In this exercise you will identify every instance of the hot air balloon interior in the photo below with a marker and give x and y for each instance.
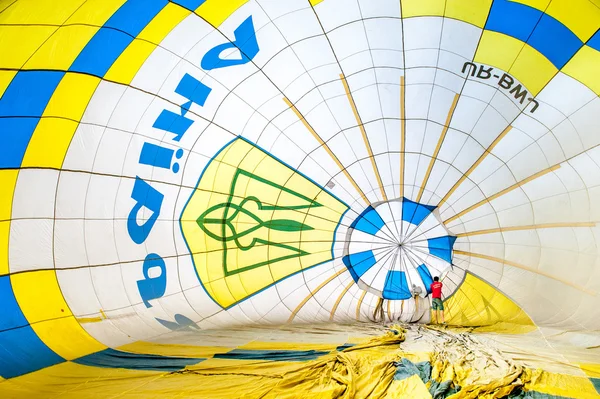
(253, 198)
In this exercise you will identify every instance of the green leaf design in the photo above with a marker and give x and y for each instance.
(286, 225)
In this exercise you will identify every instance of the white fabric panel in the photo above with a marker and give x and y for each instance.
(78, 290)
(103, 103)
(154, 71)
(186, 34)
(34, 194)
(69, 244)
(26, 234)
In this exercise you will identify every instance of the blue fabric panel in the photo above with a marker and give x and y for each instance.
(11, 315)
(442, 247)
(345, 346)
(271, 355)
(445, 242)
(189, 4)
(555, 41)
(368, 221)
(117, 33)
(445, 254)
(15, 134)
(112, 358)
(513, 19)
(29, 93)
(425, 277)
(133, 16)
(27, 97)
(406, 369)
(596, 383)
(359, 263)
(21, 352)
(396, 286)
(594, 42)
(415, 213)
(443, 389)
(101, 52)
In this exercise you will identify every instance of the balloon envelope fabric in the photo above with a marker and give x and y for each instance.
(174, 167)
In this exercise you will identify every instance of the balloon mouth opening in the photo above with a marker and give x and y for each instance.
(397, 244)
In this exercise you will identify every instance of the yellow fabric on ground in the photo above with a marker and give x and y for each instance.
(477, 304)
(483, 371)
(366, 370)
(592, 370)
(559, 384)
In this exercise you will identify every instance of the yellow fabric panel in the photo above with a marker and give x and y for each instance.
(160, 26)
(217, 11)
(416, 8)
(4, 5)
(299, 346)
(39, 296)
(4, 242)
(8, 180)
(483, 372)
(61, 49)
(365, 370)
(53, 134)
(498, 50)
(411, 387)
(221, 292)
(42, 303)
(236, 364)
(533, 69)
(580, 16)
(39, 12)
(253, 281)
(95, 12)
(472, 11)
(30, 38)
(222, 280)
(174, 349)
(563, 385)
(49, 143)
(477, 303)
(5, 78)
(314, 2)
(82, 382)
(72, 96)
(67, 338)
(522, 61)
(584, 67)
(130, 61)
(537, 4)
(591, 369)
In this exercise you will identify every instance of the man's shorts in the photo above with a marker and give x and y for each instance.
(437, 304)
